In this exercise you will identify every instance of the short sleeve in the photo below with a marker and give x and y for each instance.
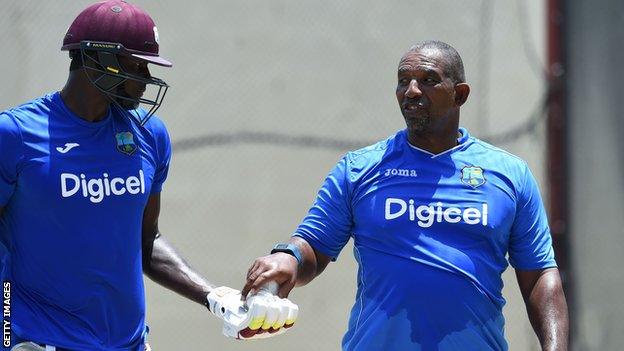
(530, 246)
(328, 224)
(164, 156)
(10, 156)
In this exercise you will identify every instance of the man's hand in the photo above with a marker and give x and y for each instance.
(279, 267)
(263, 315)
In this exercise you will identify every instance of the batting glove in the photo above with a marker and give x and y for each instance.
(264, 315)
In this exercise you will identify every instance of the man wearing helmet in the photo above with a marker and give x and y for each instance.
(81, 172)
(113, 43)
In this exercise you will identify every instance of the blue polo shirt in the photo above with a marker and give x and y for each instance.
(73, 194)
(432, 236)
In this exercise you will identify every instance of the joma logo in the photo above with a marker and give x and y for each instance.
(400, 172)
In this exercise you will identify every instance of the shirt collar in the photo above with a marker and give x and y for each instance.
(461, 141)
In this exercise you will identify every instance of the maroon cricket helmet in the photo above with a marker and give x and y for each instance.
(116, 21)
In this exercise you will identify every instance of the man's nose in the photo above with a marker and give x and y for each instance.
(412, 89)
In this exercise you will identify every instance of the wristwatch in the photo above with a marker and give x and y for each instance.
(289, 249)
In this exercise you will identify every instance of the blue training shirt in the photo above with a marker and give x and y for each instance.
(431, 235)
(73, 194)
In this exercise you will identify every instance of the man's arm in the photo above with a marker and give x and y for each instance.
(283, 268)
(162, 264)
(329, 218)
(546, 305)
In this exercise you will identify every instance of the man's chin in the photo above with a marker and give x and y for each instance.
(128, 105)
(417, 125)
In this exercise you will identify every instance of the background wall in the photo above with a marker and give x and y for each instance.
(266, 97)
(595, 73)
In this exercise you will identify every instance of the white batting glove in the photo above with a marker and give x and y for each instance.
(264, 315)
(280, 314)
(27, 346)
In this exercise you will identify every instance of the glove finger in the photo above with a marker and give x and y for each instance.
(273, 312)
(283, 315)
(293, 313)
(257, 312)
(255, 318)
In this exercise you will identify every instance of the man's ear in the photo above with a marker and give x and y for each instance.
(462, 90)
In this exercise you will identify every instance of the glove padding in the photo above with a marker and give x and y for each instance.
(27, 346)
(264, 315)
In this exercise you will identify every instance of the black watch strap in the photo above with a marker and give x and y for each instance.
(289, 249)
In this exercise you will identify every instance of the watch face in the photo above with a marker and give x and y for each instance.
(281, 246)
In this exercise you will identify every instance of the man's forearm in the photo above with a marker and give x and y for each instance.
(312, 263)
(548, 312)
(167, 268)
(283, 268)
